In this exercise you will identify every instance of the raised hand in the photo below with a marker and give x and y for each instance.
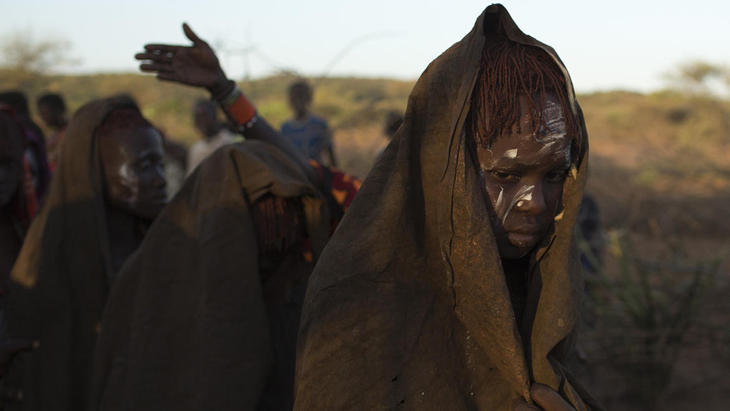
(195, 65)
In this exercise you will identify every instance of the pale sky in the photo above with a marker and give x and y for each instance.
(605, 44)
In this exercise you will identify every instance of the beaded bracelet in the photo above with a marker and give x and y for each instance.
(240, 109)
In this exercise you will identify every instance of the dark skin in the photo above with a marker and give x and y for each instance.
(134, 171)
(299, 101)
(52, 117)
(523, 176)
(197, 65)
(135, 187)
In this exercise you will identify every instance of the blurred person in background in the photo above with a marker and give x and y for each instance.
(35, 148)
(176, 164)
(393, 121)
(176, 155)
(18, 202)
(107, 189)
(217, 287)
(215, 135)
(309, 134)
(52, 109)
(18, 206)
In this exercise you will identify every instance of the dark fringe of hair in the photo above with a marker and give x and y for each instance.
(280, 225)
(127, 118)
(510, 69)
(301, 86)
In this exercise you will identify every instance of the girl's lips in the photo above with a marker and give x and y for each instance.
(523, 240)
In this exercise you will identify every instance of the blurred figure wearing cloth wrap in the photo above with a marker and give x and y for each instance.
(52, 109)
(107, 189)
(205, 316)
(461, 289)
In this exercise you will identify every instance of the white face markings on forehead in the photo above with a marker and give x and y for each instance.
(552, 111)
(556, 127)
(511, 153)
(546, 146)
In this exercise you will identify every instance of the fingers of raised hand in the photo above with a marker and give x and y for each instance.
(548, 399)
(162, 48)
(156, 68)
(156, 57)
(190, 34)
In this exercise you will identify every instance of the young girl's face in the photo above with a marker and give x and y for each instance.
(134, 174)
(523, 174)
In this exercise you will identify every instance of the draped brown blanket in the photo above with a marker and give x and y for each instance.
(193, 322)
(408, 307)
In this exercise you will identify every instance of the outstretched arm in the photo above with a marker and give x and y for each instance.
(198, 66)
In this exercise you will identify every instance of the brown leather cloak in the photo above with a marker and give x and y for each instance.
(192, 323)
(61, 278)
(408, 307)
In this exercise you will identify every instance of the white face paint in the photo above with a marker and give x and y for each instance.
(556, 126)
(524, 171)
(130, 181)
(499, 198)
(522, 195)
(526, 197)
(547, 146)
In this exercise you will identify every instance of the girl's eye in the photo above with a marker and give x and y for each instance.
(505, 176)
(144, 165)
(557, 176)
